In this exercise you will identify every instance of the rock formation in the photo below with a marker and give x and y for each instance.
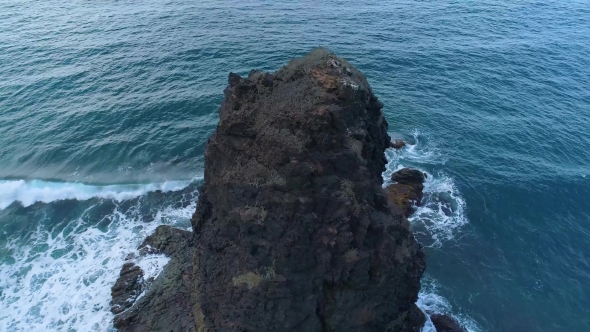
(407, 192)
(444, 323)
(293, 231)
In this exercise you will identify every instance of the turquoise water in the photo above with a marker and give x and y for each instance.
(105, 107)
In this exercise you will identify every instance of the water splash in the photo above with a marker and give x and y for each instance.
(442, 212)
(61, 279)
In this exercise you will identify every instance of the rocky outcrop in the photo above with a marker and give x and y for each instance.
(167, 306)
(407, 192)
(128, 287)
(444, 323)
(293, 231)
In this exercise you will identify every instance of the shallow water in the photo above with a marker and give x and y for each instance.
(102, 103)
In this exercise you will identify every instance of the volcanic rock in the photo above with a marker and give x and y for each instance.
(292, 231)
(408, 176)
(444, 323)
(127, 288)
(397, 144)
(167, 305)
(407, 192)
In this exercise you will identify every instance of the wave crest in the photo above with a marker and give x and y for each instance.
(30, 192)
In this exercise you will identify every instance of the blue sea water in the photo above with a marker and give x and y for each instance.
(105, 108)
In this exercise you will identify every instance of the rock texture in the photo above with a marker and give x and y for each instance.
(293, 231)
(444, 323)
(167, 306)
(407, 192)
(397, 144)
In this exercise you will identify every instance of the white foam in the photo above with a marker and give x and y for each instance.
(30, 192)
(430, 302)
(422, 151)
(442, 212)
(41, 291)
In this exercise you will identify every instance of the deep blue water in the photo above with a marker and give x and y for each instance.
(104, 102)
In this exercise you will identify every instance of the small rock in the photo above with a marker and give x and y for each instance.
(234, 79)
(415, 320)
(408, 176)
(127, 288)
(444, 323)
(407, 191)
(397, 144)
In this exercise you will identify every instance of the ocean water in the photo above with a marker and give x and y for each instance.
(105, 108)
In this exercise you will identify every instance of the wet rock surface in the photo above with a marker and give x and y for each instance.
(407, 192)
(397, 144)
(167, 305)
(127, 288)
(444, 323)
(409, 176)
(293, 230)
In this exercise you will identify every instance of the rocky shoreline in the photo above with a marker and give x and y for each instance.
(293, 230)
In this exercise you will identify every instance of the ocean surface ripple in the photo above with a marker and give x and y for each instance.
(106, 106)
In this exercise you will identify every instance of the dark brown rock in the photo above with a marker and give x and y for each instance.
(408, 176)
(397, 144)
(444, 323)
(167, 304)
(407, 192)
(292, 228)
(415, 321)
(127, 288)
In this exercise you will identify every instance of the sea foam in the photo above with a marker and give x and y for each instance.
(442, 211)
(61, 280)
(430, 301)
(30, 192)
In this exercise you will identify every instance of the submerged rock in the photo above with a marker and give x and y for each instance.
(444, 323)
(407, 192)
(293, 231)
(397, 144)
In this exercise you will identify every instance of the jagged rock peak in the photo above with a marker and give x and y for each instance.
(293, 231)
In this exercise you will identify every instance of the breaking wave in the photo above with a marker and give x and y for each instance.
(30, 192)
